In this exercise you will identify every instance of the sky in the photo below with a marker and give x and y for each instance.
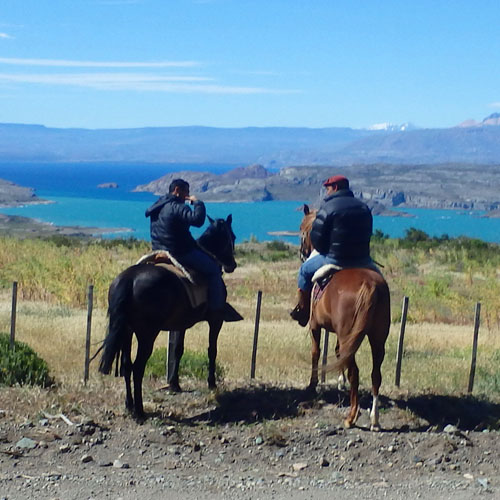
(237, 63)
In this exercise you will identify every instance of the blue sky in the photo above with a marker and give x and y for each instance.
(237, 63)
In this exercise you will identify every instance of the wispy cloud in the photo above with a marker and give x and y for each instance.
(494, 104)
(61, 63)
(135, 82)
(5, 35)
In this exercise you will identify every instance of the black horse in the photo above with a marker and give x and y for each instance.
(145, 299)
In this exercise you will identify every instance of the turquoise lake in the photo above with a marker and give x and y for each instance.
(78, 202)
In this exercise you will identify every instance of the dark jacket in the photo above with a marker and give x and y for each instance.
(343, 228)
(170, 221)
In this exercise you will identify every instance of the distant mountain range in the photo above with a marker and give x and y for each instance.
(470, 142)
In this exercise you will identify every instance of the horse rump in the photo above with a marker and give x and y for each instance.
(364, 307)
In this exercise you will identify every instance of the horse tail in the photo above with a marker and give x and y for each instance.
(363, 313)
(119, 298)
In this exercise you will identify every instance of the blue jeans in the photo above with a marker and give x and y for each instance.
(309, 267)
(312, 264)
(199, 261)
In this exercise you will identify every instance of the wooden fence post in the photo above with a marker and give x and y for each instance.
(325, 356)
(13, 315)
(256, 334)
(399, 355)
(474, 347)
(90, 303)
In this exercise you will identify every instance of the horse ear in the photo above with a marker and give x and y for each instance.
(229, 219)
(210, 219)
(306, 209)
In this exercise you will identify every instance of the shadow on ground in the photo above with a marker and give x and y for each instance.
(263, 402)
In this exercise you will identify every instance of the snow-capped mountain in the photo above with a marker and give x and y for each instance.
(391, 127)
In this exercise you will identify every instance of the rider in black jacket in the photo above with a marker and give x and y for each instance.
(171, 219)
(340, 233)
(170, 222)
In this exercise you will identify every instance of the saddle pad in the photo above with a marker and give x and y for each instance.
(193, 282)
(321, 278)
(197, 292)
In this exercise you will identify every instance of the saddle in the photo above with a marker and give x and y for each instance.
(194, 284)
(321, 278)
(324, 274)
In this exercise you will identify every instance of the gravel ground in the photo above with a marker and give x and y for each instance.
(252, 442)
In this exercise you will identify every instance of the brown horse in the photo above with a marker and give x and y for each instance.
(354, 304)
(145, 299)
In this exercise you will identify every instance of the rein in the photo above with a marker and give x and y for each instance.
(210, 254)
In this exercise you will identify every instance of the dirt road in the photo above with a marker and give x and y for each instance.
(255, 442)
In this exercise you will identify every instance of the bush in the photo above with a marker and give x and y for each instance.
(21, 365)
(193, 365)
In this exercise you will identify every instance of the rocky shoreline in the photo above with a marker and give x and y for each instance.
(16, 225)
(383, 187)
(468, 187)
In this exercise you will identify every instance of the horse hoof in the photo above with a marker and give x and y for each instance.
(375, 428)
(139, 416)
(212, 387)
(348, 424)
(174, 388)
(311, 390)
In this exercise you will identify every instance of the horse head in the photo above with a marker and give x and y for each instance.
(305, 233)
(218, 240)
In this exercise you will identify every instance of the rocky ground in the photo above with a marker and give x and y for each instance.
(257, 441)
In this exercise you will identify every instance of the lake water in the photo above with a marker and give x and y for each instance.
(78, 202)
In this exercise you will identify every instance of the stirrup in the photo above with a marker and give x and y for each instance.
(299, 315)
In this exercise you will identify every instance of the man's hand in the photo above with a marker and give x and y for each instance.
(191, 198)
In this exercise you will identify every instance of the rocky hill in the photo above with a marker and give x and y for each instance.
(12, 195)
(382, 185)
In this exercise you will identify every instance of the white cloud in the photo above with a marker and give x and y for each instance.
(135, 82)
(5, 35)
(96, 64)
(495, 105)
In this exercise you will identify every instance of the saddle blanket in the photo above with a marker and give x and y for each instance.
(321, 278)
(193, 282)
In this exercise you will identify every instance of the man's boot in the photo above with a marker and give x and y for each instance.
(302, 310)
(228, 314)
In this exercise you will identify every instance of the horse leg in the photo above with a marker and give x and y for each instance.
(378, 353)
(126, 371)
(145, 344)
(213, 335)
(175, 352)
(341, 381)
(353, 376)
(315, 353)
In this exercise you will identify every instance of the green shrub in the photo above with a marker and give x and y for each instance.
(277, 246)
(21, 365)
(193, 365)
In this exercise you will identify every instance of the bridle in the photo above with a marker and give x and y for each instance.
(229, 241)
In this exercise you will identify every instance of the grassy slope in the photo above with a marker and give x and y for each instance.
(443, 279)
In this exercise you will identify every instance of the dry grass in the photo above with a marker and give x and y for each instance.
(437, 356)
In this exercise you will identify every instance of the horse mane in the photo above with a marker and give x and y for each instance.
(306, 246)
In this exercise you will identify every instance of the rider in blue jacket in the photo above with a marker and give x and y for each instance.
(341, 234)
